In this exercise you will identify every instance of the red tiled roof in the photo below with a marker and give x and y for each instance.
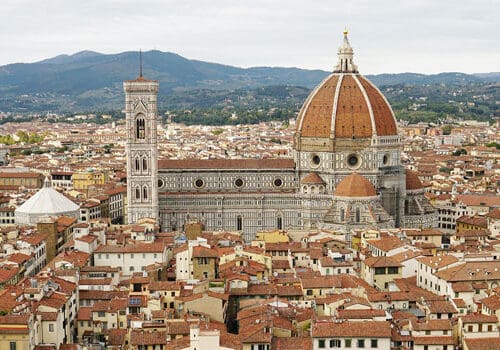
(355, 185)
(268, 163)
(373, 329)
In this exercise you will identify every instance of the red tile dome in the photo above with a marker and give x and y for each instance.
(355, 185)
(412, 181)
(345, 105)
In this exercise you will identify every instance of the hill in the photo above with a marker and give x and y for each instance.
(90, 81)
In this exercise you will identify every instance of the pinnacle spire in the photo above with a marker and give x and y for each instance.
(345, 63)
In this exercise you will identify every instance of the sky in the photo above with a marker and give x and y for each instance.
(390, 36)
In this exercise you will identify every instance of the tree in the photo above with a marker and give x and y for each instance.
(446, 129)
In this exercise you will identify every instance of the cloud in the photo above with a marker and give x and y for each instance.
(388, 36)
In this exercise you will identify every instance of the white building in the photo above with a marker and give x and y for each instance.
(131, 257)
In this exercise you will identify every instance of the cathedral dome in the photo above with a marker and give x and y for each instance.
(412, 181)
(345, 105)
(355, 185)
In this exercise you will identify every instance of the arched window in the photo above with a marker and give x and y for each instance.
(342, 214)
(239, 223)
(358, 215)
(137, 164)
(145, 193)
(140, 128)
(145, 164)
(279, 223)
(137, 193)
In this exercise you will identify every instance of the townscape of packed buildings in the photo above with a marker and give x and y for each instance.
(75, 275)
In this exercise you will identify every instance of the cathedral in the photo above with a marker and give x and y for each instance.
(346, 171)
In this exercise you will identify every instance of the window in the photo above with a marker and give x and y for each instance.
(137, 193)
(144, 164)
(279, 223)
(374, 343)
(392, 270)
(131, 268)
(309, 292)
(380, 270)
(13, 345)
(145, 192)
(361, 343)
(335, 343)
(140, 130)
(321, 343)
(239, 223)
(101, 314)
(348, 343)
(342, 214)
(427, 332)
(469, 328)
(51, 327)
(137, 164)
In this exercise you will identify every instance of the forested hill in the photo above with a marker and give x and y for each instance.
(92, 82)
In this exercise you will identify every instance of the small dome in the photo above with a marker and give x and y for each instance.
(46, 202)
(312, 178)
(355, 185)
(412, 181)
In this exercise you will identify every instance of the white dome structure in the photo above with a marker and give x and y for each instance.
(46, 202)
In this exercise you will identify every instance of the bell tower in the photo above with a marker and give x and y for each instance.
(141, 148)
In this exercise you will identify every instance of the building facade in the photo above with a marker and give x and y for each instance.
(345, 126)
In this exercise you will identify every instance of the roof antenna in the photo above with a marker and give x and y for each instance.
(140, 63)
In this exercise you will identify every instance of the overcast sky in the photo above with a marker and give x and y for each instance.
(389, 36)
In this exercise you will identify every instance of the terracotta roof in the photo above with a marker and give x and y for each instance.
(437, 262)
(20, 175)
(492, 302)
(292, 343)
(471, 271)
(141, 337)
(355, 100)
(355, 185)
(381, 261)
(204, 252)
(372, 329)
(431, 325)
(412, 181)
(483, 343)
(434, 340)
(267, 163)
(132, 248)
(479, 221)
(312, 178)
(478, 318)
(386, 243)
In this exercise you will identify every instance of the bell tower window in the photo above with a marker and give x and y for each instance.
(137, 193)
(140, 128)
(137, 164)
(145, 164)
(145, 193)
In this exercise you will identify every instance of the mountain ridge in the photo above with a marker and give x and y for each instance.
(88, 79)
